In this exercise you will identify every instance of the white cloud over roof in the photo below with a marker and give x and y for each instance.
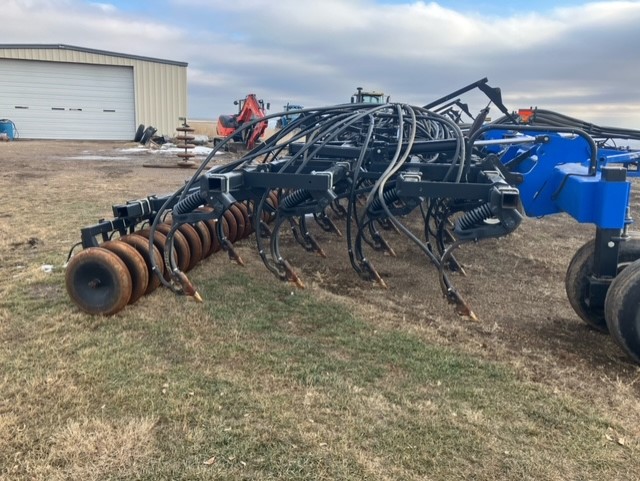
(580, 59)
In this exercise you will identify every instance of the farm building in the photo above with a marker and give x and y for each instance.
(67, 92)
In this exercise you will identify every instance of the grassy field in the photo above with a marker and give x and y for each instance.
(273, 385)
(264, 382)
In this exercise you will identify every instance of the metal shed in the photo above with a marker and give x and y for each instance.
(67, 92)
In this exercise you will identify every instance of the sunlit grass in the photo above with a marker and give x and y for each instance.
(271, 384)
(261, 381)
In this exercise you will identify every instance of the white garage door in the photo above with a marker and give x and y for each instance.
(55, 100)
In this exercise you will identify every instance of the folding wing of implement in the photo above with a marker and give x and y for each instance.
(361, 169)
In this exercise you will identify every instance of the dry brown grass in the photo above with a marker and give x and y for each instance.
(341, 381)
(91, 449)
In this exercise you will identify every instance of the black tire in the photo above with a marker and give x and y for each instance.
(622, 310)
(578, 272)
(98, 282)
(148, 133)
(139, 132)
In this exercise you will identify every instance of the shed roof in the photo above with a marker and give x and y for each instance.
(61, 46)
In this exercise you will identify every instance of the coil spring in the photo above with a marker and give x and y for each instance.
(389, 196)
(188, 204)
(295, 198)
(475, 217)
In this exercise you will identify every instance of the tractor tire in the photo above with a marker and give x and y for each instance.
(622, 310)
(578, 272)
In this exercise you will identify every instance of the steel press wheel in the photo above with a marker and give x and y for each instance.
(578, 272)
(225, 227)
(240, 223)
(135, 264)
(142, 246)
(232, 225)
(196, 248)
(159, 241)
(273, 195)
(181, 246)
(98, 282)
(248, 226)
(622, 310)
(210, 224)
(215, 242)
(205, 238)
(271, 205)
(195, 244)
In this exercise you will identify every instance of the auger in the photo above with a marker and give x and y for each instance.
(362, 169)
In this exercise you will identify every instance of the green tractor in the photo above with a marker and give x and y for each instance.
(368, 97)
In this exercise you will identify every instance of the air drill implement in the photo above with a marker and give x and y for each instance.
(362, 169)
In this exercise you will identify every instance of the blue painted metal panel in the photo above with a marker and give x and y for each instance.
(557, 178)
(589, 199)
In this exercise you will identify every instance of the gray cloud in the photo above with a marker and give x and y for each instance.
(581, 60)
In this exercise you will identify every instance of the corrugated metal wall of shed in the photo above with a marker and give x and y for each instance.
(154, 82)
(160, 88)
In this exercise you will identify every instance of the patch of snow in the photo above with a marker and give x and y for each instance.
(172, 149)
(139, 149)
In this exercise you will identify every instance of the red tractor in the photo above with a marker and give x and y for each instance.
(249, 109)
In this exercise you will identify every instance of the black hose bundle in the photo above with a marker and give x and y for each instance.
(550, 118)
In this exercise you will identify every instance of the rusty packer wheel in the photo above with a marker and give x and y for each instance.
(240, 221)
(210, 224)
(273, 195)
(232, 224)
(269, 208)
(205, 238)
(213, 229)
(159, 241)
(195, 244)
(141, 244)
(135, 264)
(180, 245)
(248, 226)
(98, 282)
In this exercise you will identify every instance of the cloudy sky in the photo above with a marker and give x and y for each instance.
(581, 58)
